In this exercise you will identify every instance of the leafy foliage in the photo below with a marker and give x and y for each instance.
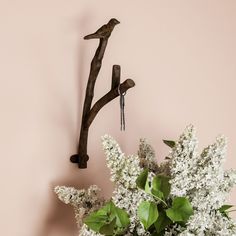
(155, 217)
(161, 222)
(142, 179)
(109, 220)
(147, 213)
(161, 183)
(180, 211)
(167, 211)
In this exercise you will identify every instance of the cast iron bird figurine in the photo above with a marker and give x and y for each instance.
(104, 31)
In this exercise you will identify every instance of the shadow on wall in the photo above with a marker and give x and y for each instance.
(59, 218)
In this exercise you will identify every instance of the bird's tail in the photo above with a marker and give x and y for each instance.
(91, 36)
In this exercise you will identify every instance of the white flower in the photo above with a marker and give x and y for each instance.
(203, 180)
(83, 201)
(183, 159)
(199, 177)
(213, 223)
(124, 170)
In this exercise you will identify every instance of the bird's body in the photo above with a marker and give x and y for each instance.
(104, 31)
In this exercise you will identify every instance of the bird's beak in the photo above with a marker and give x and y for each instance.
(117, 22)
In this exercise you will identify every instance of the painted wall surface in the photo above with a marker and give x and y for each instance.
(181, 54)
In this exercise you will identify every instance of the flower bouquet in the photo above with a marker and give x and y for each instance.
(185, 195)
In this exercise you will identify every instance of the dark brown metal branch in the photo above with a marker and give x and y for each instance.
(112, 94)
(89, 113)
(115, 76)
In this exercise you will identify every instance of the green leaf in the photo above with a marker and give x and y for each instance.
(107, 209)
(161, 183)
(180, 211)
(142, 179)
(169, 143)
(157, 193)
(162, 222)
(122, 218)
(99, 218)
(104, 218)
(95, 221)
(148, 187)
(225, 208)
(108, 229)
(147, 213)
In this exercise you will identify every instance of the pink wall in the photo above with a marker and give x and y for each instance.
(181, 55)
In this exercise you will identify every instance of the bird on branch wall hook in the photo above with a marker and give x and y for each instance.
(117, 89)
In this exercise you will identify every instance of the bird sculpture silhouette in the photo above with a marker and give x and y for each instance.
(104, 31)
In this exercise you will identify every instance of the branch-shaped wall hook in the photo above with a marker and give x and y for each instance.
(89, 113)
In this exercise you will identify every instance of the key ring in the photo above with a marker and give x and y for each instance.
(119, 92)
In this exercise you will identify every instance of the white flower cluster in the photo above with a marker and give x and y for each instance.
(124, 172)
(183, 162)
(204, 223)
(202, 179)
(83, 201)
(174, 230)
(199, 177)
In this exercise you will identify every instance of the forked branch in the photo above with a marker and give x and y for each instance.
(89, 113)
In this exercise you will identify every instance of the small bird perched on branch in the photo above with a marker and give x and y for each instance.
(104, 31)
